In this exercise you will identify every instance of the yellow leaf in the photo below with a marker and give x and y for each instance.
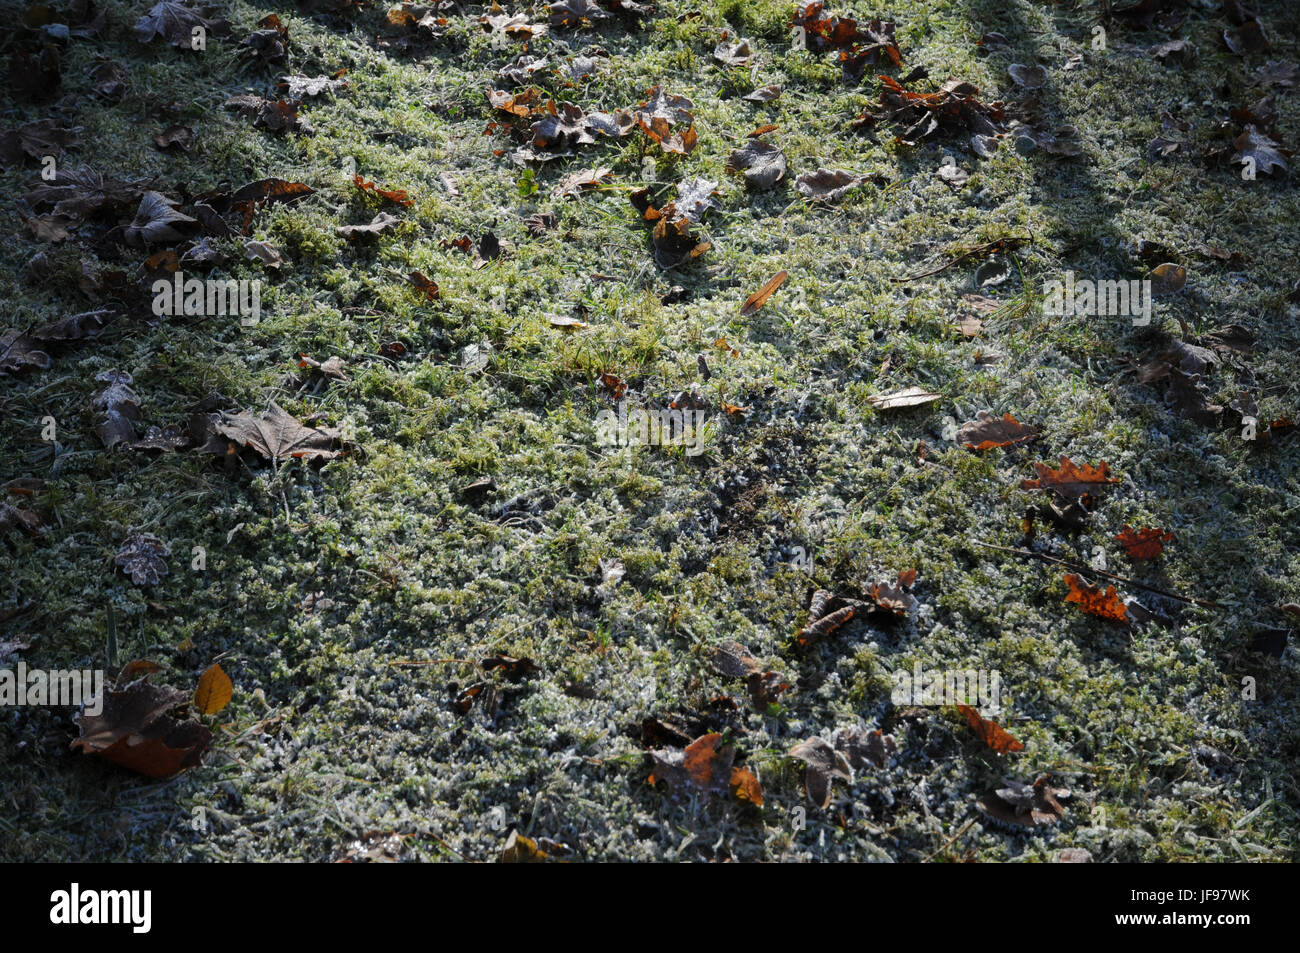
(214, 691)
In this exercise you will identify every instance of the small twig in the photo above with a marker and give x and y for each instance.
(951, 840)
(1002, 244)
(436, 661)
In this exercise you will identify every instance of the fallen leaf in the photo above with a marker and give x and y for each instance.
(764, 94)
(142, 557)
(822, 763)
(575, 183)
(759, 298)
(381, 223)
(120, 407)
(424, 286)
(762, 163)
(1030, 77)
(906, 397)
(1168, 278)
(214, 692)
(1070, 481)
(1094, 601)
(397, 196)
(277, 435)
(18, 352)
(826, 185)
(990, 732)
(136, 730)
(987, 432)
(703, 767)
(1254, 147)
(1143, 543)
(736, 52)
(861, 747)
(1024, 805)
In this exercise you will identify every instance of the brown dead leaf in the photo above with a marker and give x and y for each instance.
(1071, 481)
(277, 435)
(760, 297)
(822, 763)
(987, 432)
(214, 692)
(991, 733)
(136, 729)
(1143, 543)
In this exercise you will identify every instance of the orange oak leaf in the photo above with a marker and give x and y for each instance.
(1070, 481)
(1143, 543)
(1092, 600)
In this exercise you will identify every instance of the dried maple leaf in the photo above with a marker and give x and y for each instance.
(81, 192)
(822, 623)
(1248, 38)
(175, 137)
(1104, 604)
(143, 558)
(1071, 481)
(16, 518)
(274, 115)
(266, 46)
(734, 661)
(764, 94)
(1143, 543)
(760, 297)
(176, 22)
(987, 432)
(990, 732)
(673, 237)
(821, 764)
(136, 729)
(894, 597)
(1024, 805)
(954, 107)
(277, 435)
(762, 163)
(246, 200)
